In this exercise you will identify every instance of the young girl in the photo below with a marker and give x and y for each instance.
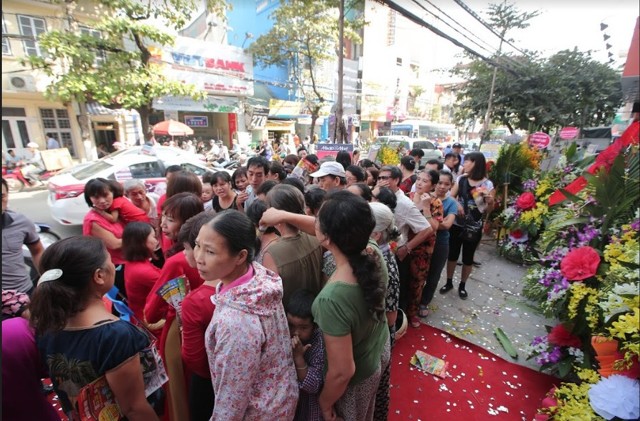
(140, 275)
(239, 180)
(176, 211)
(247, 341)
(78, 339)
(197, 310)
(121, 209)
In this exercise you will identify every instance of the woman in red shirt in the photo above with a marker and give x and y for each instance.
(175, 212)
(139, 242)
(197, 311)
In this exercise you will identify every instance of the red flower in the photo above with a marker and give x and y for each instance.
(580, 264)
(517, 234)
(560, 336)
(526, 201)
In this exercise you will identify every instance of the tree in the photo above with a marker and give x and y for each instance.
(545, 94)
(504, 17)
(86, 68)
(304, 38)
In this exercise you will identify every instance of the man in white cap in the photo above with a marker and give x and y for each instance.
(330, 176)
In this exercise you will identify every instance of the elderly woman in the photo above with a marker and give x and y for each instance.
(98, 193)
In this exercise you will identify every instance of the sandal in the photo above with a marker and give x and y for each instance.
(446, 288)
(423, 312)
(463, 294)
(415, 322)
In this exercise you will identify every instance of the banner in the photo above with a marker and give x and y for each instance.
(331, 149)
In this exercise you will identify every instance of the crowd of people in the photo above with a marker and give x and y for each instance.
(300, 274)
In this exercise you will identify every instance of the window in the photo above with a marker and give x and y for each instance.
(146, 170)
(57, 123)
(6, 45)
(33, 28)
(100, 55)
(398, 61)
(193, 168)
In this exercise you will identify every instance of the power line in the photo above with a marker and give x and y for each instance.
(490, 49)
(486, 25)
(412, 17)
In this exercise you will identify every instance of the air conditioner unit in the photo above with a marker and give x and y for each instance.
(22, 83)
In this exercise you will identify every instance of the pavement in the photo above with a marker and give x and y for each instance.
(495, 300)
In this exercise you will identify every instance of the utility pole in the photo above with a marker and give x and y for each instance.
(339, 133)
(487, 117)
(84, 121)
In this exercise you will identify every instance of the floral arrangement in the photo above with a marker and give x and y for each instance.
(587, 277)
(525, 217)
(388, 155)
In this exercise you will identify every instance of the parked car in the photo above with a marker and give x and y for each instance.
(408, 143)
(66, 191)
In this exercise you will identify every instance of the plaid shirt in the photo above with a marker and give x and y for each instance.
(308, 408)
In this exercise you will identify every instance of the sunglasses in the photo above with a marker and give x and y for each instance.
(384, 177)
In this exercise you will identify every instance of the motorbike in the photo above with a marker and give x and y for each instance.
(17, 181)
(47, 237)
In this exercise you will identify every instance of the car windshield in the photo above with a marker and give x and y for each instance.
(91, 170)
(423, 144)
(398, 144)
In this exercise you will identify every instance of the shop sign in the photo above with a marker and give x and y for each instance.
(332, 149)
(196, 120)
(225, 69)
(539, 140)
(568, 133)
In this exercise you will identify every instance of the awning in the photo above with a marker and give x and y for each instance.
(281, 125)
(93, 108)
(212, 104)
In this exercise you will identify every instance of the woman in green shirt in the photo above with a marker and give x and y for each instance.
(350, 310)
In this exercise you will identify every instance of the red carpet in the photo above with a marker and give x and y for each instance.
(479, 385)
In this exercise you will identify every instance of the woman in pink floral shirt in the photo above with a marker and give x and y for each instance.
(247, 341)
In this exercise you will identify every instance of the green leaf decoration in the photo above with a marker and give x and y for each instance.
(506, 343)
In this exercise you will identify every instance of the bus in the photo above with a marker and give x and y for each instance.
(435, 132)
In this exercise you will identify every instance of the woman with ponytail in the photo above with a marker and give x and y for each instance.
(350, 309)
(78, 339)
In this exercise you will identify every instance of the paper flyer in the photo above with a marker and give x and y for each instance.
(173, 292)
(430, 364)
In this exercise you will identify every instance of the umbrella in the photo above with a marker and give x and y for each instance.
(172, 128)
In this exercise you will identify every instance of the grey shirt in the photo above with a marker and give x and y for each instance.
(17, 230)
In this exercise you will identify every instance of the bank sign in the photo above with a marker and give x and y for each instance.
(225, 69)
(196, 120)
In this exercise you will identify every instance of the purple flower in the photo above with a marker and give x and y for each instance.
(530, 184)
(635, 225)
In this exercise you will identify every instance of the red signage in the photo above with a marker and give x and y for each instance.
(539, 140)
(568, 133)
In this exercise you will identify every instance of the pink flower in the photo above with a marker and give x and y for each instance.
(580, 263)
(560, 336)
(526, 201)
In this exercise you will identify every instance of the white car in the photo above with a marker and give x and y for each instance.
(66, 191)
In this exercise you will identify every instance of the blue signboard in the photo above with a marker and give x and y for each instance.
(196, 120)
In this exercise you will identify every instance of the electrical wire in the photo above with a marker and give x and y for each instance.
(486, 25)
(412, 17)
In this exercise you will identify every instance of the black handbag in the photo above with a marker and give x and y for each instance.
(472, 228)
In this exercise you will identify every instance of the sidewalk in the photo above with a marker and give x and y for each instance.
(495, 300)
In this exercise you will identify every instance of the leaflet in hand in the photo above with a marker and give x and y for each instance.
(173, 292)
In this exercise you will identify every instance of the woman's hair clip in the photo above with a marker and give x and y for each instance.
(50, 275)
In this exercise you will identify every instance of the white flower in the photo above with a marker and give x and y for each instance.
(616, 396)
(625, 289)
(576, 352)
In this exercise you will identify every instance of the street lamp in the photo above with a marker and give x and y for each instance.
(247, 35)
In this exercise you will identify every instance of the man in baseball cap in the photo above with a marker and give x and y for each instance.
(457, 149)
(331, 175)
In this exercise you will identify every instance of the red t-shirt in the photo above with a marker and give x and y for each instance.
(127, 211)
(156, 308)
(197, 310)
(407, 183)
(139, 279)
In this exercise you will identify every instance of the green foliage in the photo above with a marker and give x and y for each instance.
(544, 94)
(123, 78)
(304, 37)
